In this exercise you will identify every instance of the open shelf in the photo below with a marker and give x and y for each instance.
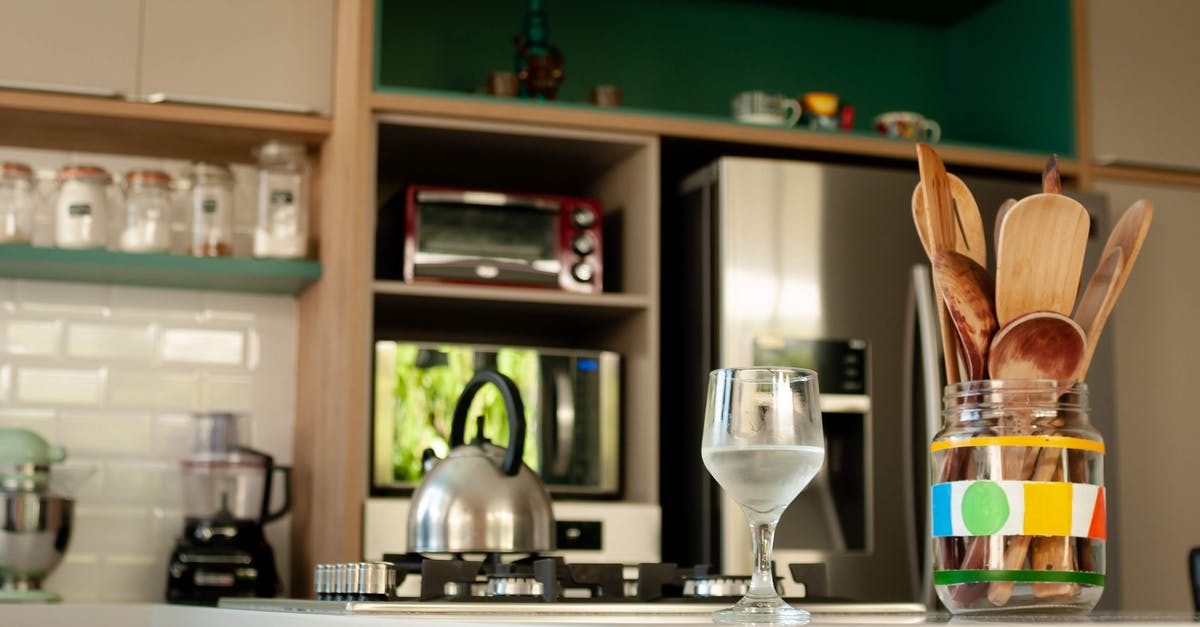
(177, 131)
(708, 128)
(489, 300)
(226, 274)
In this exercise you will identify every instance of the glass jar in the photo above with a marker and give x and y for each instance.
(145, 225)
(1017, 501)
(18, 200)
(281, 230)
(81, 207)
(210, 215)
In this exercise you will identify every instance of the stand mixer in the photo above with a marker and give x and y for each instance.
(227, 496)
(35, 514)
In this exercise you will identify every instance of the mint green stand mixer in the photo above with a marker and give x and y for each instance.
(35, 514)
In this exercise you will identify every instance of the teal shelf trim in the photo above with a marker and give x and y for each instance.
(225, 274)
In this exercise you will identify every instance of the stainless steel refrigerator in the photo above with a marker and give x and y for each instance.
(796, 263)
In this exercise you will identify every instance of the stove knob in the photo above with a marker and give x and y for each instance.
(583, 272)
(584, 245)
(338, 580)
(374, 580)
(583, 218)
(350, 588)
(321, 581)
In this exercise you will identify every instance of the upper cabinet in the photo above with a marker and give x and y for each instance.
(993, 73)
(1144, 92)
(267, 54)
(275, 54)
(79, 46)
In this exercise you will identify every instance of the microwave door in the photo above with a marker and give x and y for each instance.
(558, 419)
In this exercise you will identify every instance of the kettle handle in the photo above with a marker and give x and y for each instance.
(512, 406)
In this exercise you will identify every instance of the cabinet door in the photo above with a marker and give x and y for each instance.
(81, 46)
(275, 54)
(1144, 88)
(1155, 341)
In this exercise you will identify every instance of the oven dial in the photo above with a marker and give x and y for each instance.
(582, 272)
(584, 244)
(583, 218)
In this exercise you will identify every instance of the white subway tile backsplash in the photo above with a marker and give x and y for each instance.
(133, 577)
(177, 391)
(32, 337)
(143, 483)
(111, 529)
(173, 435)
(60, 386)
(125, 342)
(76, 298)
(75, 578)
(231, 393)
(7, 291)
(153, 303)
(5, 385)
(40, 421)
(112, 433)
(203, 346)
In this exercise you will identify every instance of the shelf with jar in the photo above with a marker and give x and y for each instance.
(79, 222)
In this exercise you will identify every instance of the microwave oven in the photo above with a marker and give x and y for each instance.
(503, 238)
(572, 412)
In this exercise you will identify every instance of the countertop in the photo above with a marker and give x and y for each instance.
(133, 615)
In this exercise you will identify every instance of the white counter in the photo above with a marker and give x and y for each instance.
(118, 615)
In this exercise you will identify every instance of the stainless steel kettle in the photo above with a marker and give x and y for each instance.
(482, 498)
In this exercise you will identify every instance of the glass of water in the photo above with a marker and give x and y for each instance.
(763, 443)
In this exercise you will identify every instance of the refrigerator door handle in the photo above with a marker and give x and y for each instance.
(921, 353)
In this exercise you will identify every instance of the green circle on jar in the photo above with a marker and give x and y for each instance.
(984, 508)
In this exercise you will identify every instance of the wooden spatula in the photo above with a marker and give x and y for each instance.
(968, 292)
(970, 240)
(1040, 257)
(936, 226)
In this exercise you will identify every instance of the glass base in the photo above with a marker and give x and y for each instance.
(769, 610)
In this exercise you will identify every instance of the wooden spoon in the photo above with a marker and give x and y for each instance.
(1040, 256)
(968, 291)
(1003, 211)
(970, 239)
(936, 228)
(1127, 236)
(1051, 181)
(1038, 345)
(1097, 301)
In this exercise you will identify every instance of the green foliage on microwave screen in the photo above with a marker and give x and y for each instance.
(427, 390)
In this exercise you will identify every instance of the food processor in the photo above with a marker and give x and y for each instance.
(226, 498)
(35, 514)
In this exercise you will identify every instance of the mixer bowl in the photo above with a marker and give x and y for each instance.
(34, 531)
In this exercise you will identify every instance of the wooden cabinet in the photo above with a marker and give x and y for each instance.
(80, 46)
(1143, 86)
(275, 54)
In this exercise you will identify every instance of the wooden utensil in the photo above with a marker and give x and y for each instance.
(1040, 256)
(1051, 181)
(1128, 235)
(1003, 211)
(1038, 345)
(968, 292)
(1098, 299)
(970, 239)
(936, 227)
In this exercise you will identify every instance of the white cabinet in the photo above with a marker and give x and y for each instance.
(1155, 343)
(271, 53)
(81, 46)
(1143, 76)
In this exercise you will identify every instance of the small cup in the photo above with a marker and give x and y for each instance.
(821, 104)
(908, 125)
(503, 84)
(606, 96)
(759, 107)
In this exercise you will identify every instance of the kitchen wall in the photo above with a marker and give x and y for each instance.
(111, 373)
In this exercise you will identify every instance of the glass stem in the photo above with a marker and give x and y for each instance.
(762, 584)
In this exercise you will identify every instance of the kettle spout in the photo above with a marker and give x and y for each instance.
(429, 459)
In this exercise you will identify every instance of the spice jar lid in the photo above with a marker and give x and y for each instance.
(11, 169)
(211, 171)
(85, 172)
(281, 151)
(147, 177)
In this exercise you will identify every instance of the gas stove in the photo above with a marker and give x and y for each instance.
(506, 586)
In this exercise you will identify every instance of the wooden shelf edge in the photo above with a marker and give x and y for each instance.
(312, 126)
(1144, 174)
(262, 276)
(732, 132)
(522, 295)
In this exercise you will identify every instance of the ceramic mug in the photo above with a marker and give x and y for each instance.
(908, 125)
(759, 107)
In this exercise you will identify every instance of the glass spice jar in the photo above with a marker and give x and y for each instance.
(18, 201)
(210, 216)
(145, 224)
(1017, 498)
(81, 207)
(281, 229)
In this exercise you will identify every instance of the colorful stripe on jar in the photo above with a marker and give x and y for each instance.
(1012, 508)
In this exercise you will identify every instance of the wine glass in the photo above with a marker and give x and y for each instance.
(763, 443)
